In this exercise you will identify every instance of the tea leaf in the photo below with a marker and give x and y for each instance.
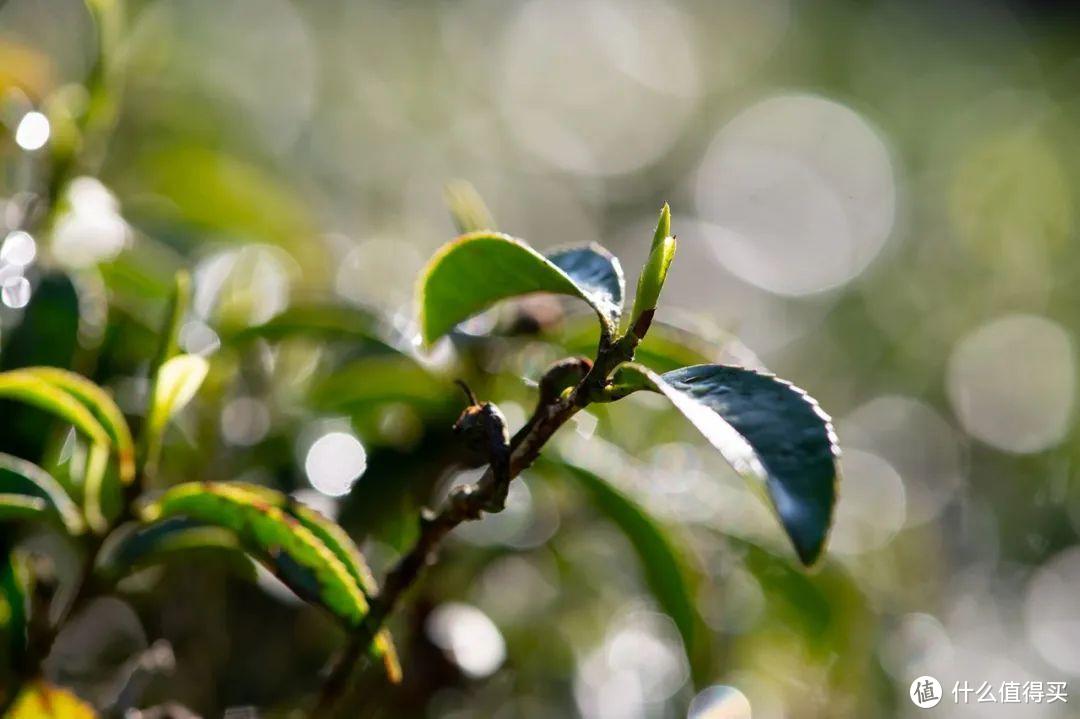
(476, 270)
(341, 544)
(25, 386)
(175, 385)
(17, 476)
(768, 430)
(133, 546)
(178, 380)
(653, 275)
(467, 208)
(104, 409)
(284, 544)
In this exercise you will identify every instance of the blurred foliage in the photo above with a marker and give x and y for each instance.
(870, 191)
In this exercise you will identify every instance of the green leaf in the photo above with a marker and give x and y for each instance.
(653, 275)
(662, 561)
(27, 387)
(15, 583)
(269, 534)
(467, 208)
(282, 542)
(338, 541)
(135, 546)
(663, 227)
(768, 430)
(476, 270)
(104, 409)
(325, 530)
(322, 321)
(17, 476)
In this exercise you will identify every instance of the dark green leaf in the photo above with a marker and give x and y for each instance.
(135, 546)
(325, 530)
(473, 272)
(17, 476)
(15, 584)
(49, 327)
(662, 563)
(767, 429)
(599, 274)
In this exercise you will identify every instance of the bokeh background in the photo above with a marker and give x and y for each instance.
(879, 199)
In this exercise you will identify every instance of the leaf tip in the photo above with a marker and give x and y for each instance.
(467, 208)
(663, 226)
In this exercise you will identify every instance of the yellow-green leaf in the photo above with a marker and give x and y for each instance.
(653, 275)
(104, 409)
(273, 537)
(338, 541)
(25, 386)
(467, 208)
(287, 539)
(177, 382)
(94, 477)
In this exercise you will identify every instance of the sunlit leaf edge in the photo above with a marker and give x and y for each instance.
(556, 281)
(753, 462)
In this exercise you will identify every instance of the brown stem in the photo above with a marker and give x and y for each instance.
(465, 503)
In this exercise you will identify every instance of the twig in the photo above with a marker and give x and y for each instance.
(564, 390)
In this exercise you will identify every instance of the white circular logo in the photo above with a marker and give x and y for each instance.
(925, 692)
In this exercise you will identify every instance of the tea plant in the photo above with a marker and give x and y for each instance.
(115, 510)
